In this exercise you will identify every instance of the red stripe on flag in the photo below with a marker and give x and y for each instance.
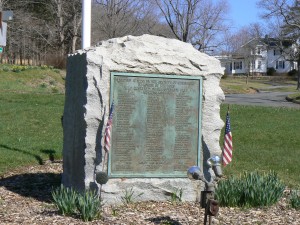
(227, 151)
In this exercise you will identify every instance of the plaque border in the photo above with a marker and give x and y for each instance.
(172, 76)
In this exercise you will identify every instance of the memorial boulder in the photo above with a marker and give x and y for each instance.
(166, 117)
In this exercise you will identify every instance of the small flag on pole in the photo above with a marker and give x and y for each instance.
(108, 128)
(227, 151)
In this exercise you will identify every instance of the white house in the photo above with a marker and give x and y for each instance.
(258, 56)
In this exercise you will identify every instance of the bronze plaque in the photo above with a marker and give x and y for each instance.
(156, 125)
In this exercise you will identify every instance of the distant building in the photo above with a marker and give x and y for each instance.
(260, 55)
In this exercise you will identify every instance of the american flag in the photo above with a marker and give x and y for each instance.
(108, 129)
(227, 151)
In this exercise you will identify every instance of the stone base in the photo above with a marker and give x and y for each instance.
(150, 189)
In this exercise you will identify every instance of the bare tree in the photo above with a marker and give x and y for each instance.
(23, 34)
(76, 19)
(43, 29)
(66, 18)
(180, 16)
(196, 21)
(73, 19)
(234, 41)
(256, 30)
(115, 18)
(286, 13)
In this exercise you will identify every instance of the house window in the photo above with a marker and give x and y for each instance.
(259, 65)
(238, 65)
(279, 64)
(258, 51)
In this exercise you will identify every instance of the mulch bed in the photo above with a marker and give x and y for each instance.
(25, 198)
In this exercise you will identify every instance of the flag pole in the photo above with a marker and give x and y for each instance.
(86, 23)
(104, 160)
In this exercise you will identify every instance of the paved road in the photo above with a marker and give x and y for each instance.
(276, 99)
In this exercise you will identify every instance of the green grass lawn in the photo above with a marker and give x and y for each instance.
(264, 138)
(30, 113)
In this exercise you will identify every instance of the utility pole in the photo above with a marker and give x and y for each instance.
(86, 23)
(4, 16)
(2, 33)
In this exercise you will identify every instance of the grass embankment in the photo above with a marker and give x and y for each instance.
(30, 127)
(31, 107)
(241, 85)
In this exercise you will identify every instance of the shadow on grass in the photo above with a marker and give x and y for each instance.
(37, 157)
(33, 185)
(50, 153)
(163, 220)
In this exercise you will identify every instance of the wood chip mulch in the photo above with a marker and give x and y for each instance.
(25, 198)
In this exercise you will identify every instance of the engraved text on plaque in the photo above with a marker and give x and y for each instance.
(156, 125)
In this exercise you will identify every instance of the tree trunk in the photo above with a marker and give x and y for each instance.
(21, 56)
(76, 26)
(61, 27)
(74, 41)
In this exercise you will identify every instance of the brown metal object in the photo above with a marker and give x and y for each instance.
(213, 207)
(209, 203)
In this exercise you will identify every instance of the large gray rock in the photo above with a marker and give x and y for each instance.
(87, 106)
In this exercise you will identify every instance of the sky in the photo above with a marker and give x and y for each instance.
(243, 12)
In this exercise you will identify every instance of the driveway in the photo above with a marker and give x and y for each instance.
(275, 99)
